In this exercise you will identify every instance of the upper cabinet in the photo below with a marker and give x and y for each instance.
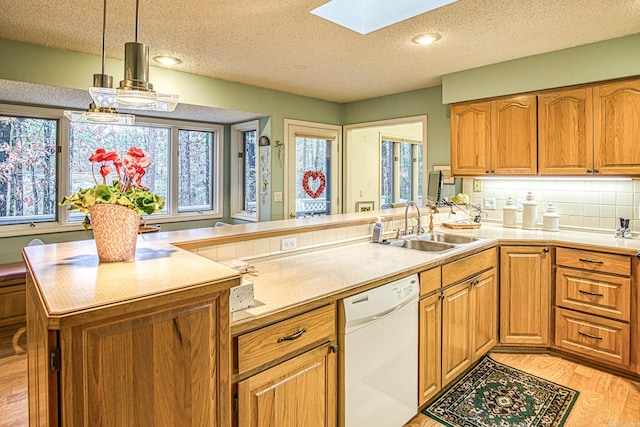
(616, 128)
(494, 137)
(587, 130)
(565, 132)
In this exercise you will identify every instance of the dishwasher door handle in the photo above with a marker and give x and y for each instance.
(386, 313)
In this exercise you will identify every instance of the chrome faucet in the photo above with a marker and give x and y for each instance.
(406, 218)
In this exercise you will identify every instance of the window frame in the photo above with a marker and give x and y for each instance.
(64, 223)
(237, 171)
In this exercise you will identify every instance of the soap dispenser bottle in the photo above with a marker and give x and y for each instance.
(377, 231)
(530, 212)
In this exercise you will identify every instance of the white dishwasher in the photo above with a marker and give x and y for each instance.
(380, 355)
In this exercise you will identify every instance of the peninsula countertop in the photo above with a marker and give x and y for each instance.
(323, 276)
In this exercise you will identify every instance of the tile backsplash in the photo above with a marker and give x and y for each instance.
(593, 204)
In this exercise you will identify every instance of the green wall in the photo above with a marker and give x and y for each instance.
(418, 102)
(594, 62)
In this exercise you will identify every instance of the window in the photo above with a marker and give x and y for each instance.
(195, 189)
(28, 169)
(44, 157)
(244, 171)
(401, 171)
(85, 138)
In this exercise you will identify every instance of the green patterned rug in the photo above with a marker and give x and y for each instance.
(493, 394)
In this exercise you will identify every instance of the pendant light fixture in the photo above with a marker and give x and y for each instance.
(135, 91)
(96, 114)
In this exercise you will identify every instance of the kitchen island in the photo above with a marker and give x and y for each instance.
(131, 343)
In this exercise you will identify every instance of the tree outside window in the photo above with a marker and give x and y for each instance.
(27, 169)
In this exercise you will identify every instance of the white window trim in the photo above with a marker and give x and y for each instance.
(64, 223)
(317, 130)
(237, 171)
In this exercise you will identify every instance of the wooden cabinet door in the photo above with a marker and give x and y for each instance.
(456, 331)
(525, 295)
(162, 368)
(514, 142)
(471, 138)
(298, 392)
(429, 344)
(617, 128)
(565, 132)
(484, 303)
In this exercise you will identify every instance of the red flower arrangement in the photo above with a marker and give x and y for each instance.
(127, 190)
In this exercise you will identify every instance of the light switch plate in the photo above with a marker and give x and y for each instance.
(277, 196)
(489, 202)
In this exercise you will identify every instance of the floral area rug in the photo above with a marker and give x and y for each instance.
(13, 340)
(493, 394)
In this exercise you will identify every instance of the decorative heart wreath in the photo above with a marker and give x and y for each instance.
(309, 175)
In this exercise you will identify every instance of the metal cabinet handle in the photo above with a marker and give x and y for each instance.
(294, 336)
(596, 337)
(595, 294)
(593, 261)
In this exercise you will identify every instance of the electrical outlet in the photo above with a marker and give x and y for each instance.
(477, 186)
(489, 202)
(288, 243)
(519, 204)
(277, 196)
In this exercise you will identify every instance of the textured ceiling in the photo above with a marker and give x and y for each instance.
(279, 45)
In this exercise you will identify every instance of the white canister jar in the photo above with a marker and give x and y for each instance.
(530, 212)
(509, 213)
(551, 219)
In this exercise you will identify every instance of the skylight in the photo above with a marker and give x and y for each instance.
(366, 16)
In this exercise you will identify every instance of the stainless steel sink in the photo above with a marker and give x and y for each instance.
(455, 239)
(433, 242)
(422, 245)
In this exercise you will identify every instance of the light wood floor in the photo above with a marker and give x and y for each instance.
(605, 400)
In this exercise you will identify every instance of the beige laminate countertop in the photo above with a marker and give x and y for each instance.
(71, 279)
(300, 281)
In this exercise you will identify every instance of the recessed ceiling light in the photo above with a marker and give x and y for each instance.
(426, 38)
(167, 60)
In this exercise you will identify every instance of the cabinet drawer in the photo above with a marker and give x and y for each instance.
(275, 341)
(469, 266)
(602, 339)
(430, 281)
(594, 293)
(594, 261)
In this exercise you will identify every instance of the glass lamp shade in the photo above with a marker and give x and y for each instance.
(134, 99)
(135, 91)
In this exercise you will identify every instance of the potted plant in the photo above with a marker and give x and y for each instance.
(114, 211)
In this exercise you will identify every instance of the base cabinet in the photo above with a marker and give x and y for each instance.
(288, 372)
(458, 324)
(430, 343)
(456, 331)
(166, 365)
(593, 310)
(525, 295)
(298, 392)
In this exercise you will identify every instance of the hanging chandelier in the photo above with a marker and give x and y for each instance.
(135, 92)
(95, 113)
